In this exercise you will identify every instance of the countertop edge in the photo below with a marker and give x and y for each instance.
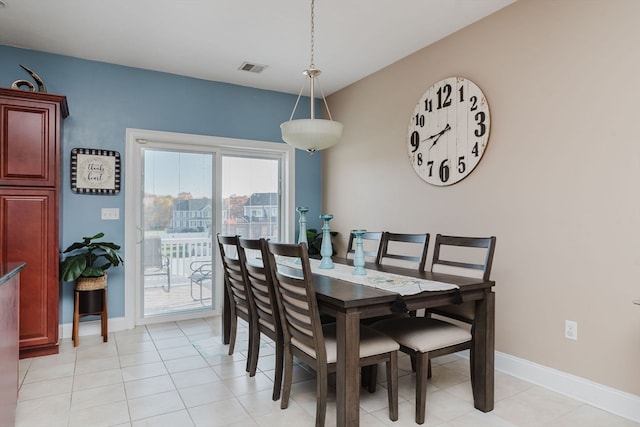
(9, 270)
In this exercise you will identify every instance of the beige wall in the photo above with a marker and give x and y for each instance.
(559, 184)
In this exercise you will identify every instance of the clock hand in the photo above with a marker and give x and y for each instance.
(438, 135)
(435, 140)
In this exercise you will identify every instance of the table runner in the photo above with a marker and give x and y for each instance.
(402, 285)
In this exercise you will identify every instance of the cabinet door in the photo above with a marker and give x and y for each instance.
(28, 142)
(29, 233)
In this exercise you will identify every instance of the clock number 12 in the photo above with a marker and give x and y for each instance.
(444, 96)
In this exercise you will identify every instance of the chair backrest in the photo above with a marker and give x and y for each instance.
(370, 244)
(260, 281)
(297, 301)
(152, 246)
(463, 256)
(234, 273)
(405, 247)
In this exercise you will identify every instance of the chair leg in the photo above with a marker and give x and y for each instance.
(168, 288)
(370, 377)
(472, 364)
(392, 385)
(191, 289)
(422, 360)
(321, 391)
(277, 379)
(288, 377)
(233, 329)
(254, 348)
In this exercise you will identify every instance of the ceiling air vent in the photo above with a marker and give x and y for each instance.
(252, 68)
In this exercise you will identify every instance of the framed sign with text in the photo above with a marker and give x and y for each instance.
(95, 171)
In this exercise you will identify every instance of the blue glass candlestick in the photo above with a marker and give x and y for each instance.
(326, 250)
(358, 258)
(302, 236)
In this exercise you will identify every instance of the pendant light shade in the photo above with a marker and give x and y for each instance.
(311, 134)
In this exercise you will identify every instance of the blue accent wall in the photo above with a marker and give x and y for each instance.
(105, 99)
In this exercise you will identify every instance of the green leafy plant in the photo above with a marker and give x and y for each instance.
(89, 258)
(314, 241)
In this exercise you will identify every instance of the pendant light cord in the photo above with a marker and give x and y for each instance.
(312, 66)
(312, 74)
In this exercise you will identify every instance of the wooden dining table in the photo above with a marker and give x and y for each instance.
(349, 302)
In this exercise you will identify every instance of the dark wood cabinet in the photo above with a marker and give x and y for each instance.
(30, 145)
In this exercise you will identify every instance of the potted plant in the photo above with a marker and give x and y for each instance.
(87, 262)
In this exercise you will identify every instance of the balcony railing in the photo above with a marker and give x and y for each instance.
(183, 251)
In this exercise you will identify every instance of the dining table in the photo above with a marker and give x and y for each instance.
(350, 300)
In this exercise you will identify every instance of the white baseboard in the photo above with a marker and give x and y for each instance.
(606, 398)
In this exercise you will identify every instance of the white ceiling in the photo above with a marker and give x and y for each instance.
(210, 39)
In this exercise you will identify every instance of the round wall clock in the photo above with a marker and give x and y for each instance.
(448, 131)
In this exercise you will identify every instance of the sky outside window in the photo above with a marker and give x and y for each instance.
(171, 173)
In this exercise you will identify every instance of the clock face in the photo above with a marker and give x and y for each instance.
(448, 131)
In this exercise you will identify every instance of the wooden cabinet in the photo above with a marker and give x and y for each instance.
(30, 145)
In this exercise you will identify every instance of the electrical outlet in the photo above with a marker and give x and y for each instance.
(571, 330)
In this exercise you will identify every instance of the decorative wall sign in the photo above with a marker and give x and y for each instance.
(95, 171)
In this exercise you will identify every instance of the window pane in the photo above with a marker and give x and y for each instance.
(177, 221)
(251, 197)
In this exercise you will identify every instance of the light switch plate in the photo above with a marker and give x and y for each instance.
(110, 213)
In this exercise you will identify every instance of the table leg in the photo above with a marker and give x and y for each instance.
(482, 353)
(348, 369)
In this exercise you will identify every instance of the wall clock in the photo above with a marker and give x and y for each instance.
(448, 131)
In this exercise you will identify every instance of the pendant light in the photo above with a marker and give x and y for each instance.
(311, 134)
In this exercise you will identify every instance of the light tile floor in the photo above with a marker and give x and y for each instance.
(179, 374)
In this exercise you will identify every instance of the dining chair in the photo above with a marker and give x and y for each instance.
(241, 304)
(402, 249)
(314, 343)
(427, 337)
(156, 264)
(462, 256)
(263, 293)
(371, 245)
(405, 248)
(201, 273)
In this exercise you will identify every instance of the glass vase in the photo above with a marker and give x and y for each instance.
(302, 236)
(326, 249)
(358, 257)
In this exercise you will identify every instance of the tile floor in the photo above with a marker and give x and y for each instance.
(179, 374)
